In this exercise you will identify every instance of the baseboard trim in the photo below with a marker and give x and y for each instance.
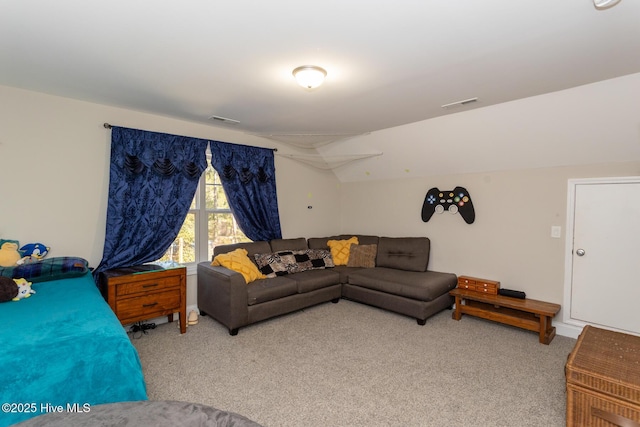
(567, 330)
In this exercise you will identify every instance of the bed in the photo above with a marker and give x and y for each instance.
(64, 347)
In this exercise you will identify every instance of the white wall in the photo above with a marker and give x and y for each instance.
(308, 199)
(509, 241)
(54, 156)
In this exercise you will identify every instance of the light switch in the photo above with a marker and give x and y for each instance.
(556, 231)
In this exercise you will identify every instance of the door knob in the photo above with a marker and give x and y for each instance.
(580, 252)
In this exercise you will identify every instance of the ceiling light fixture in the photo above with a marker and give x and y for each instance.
(605, 4)
(309, 76)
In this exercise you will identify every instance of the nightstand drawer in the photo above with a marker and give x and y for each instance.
(145, 286)
(149, 305)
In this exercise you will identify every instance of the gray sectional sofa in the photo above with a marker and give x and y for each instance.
(399, 281)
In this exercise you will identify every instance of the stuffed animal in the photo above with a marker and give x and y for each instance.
(32, 253)
(14, 289)
(9, 254)
(35, 250)
(24, 289)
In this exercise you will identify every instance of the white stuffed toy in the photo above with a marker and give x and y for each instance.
(24, 289)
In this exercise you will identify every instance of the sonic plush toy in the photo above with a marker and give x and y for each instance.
(32, 252)
(36, 250)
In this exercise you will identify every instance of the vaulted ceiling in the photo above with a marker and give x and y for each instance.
(388, 63)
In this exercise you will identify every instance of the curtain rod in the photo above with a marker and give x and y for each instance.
(108, 126)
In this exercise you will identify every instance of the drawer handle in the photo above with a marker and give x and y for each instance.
(150, 286)
(616, 419)
(149, 305)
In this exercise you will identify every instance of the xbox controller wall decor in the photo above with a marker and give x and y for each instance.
(454, 201)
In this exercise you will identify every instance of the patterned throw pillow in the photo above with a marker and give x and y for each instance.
(288, 262)
(277, 263)
(239, 261)
(340, 249)
(362, 256)
(313, 259)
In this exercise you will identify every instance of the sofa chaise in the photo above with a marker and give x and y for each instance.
(385, 272)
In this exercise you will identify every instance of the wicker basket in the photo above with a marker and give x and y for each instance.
(603, 379)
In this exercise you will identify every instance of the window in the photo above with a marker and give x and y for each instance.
(208, 224)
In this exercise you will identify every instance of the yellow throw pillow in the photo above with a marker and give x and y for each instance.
(239, 261)
(340, 250)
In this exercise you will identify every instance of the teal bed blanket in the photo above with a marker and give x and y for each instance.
(64, 348)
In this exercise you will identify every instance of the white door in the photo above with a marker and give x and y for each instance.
(605, 254)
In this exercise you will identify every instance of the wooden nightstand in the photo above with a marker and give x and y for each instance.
(141, 293)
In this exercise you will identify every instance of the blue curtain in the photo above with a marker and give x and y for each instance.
(248, 177)
(153, 178)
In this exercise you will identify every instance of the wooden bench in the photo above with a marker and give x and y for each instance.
(528, 314)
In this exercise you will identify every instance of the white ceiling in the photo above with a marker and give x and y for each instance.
(389, 62)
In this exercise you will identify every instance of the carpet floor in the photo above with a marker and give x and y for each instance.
(349, 364)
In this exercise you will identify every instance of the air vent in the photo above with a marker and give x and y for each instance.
(459, 103)
(224, 119)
